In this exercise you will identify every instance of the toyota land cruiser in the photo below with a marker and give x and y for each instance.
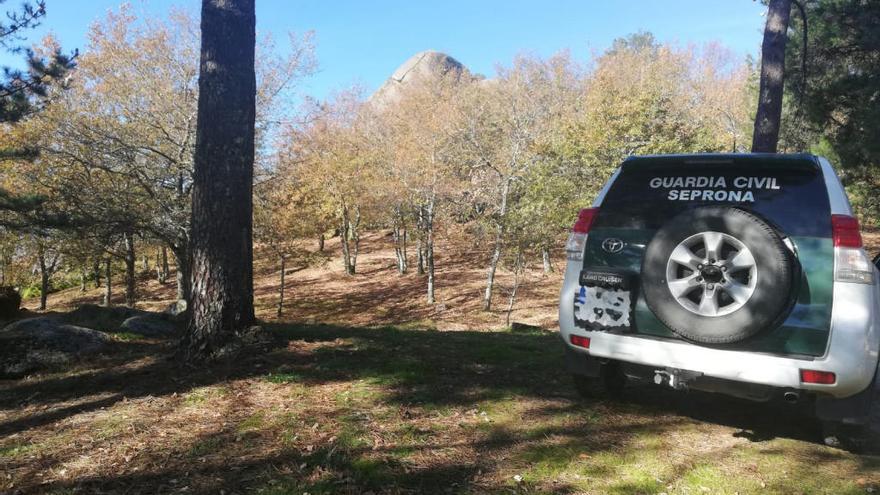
(740, 274)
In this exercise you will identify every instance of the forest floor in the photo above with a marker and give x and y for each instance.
(377, 392)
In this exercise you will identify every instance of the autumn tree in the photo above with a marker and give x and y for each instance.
(285, 213)
(120, 140)
(504, 121)
(332, 161)
(426, 141)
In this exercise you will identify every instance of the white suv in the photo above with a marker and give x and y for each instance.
(738, 274)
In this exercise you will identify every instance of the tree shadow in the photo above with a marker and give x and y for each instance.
(416, 370)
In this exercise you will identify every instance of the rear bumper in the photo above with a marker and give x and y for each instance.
(852, 352)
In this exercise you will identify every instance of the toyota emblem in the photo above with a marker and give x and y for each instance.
(613, 245)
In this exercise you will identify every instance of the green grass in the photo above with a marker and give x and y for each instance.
(283, 378)
(202, 395)
(206, 446)
(15, 450)
(254, 422)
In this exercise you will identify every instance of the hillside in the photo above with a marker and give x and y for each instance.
(376, 295)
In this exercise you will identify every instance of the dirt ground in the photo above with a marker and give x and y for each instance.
(376, 295)
(377, 392)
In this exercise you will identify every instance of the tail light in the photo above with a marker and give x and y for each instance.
(580, 341)
(851, 263)
(819, 377)
(574, 248)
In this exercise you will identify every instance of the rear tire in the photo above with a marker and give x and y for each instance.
(864, 438)
(718, 275)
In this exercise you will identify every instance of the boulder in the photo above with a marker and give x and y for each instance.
(177, 310)
(422, 68)
(10, 302)
(101, 317)
(149, 325)
(41, 343)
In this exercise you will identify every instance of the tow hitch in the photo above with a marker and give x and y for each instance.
(675, 378)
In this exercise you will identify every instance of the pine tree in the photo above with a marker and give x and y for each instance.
(222, 224)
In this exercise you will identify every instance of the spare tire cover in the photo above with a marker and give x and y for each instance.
(717, 275)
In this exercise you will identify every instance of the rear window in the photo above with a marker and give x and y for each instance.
(790, 195)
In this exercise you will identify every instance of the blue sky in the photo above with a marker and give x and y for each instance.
(364, 41)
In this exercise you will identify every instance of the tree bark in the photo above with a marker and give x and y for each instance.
(517, 280)
(496, 251)
(165, 269)
(96, 270)
(222, 198)
(281, 288)
(108, 284)
(346, 247)
(182, 278)
(545, 259)
(769, 114)
(399, 231)
(130, 270)
(162, 265)
(83, 278)
(44, 278)
(429, 249)
(321, 243)
(355, 238)
(420, 223)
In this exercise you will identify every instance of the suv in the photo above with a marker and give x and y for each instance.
(742, 274)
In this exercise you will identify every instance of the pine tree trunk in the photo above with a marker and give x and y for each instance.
(83, 278)
(321, 243)
(44, 279)
(108, 283)
(769, 114)
(130, 270)
(545, 258)
(222, 198)
(281, 288)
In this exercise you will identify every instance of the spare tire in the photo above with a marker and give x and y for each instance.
(718, 275)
